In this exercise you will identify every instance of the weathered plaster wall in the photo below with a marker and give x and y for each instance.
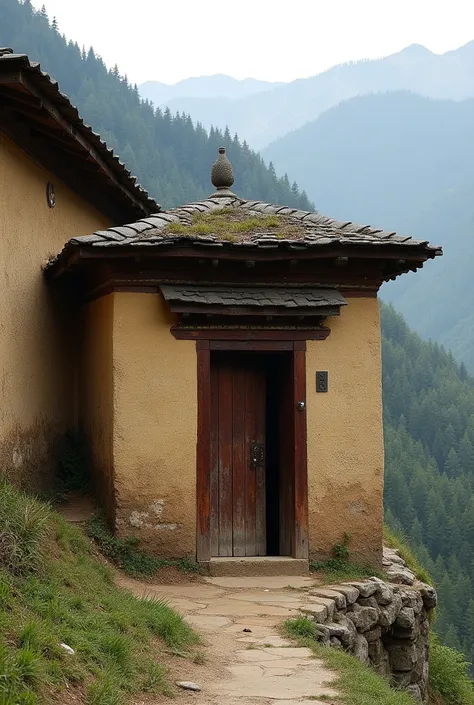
(155, 412)
(97, 394)
(37, 338)
(345, 435)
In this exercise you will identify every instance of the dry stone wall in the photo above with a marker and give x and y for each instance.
(383, 624)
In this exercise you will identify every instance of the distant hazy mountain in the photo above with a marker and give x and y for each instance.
(209, 87)
(406, 163)
(263, 117)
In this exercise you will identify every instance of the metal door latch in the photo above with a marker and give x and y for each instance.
(257, 455)
(301, 406)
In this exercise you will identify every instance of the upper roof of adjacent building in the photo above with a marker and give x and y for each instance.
(38, 117)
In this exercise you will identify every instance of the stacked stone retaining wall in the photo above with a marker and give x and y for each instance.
(383, 624)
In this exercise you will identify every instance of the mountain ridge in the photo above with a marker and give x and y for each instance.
(406, 163)
(212, 86)
(264, 117)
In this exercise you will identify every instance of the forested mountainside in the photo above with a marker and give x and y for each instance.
(268, 116)
(405, 163)
(171, 157)
(429, 473)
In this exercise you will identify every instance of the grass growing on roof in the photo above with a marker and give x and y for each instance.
(230, 223)
(66, 595)
(357, 683)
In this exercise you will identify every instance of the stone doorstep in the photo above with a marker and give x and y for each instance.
(256, 565)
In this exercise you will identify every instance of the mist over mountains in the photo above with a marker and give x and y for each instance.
(406, 163)
(209, 87)
(386, 142)
(265, 116)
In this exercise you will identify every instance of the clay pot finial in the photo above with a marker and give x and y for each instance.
(222, 175)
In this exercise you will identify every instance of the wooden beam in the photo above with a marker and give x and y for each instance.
(78, 137)
(300, 547)
(10, 78)
(249, 334)
(91, 190)
(358, 252)
(19, 97)
(253, 346)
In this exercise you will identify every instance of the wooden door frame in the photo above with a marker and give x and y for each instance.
(203, 454)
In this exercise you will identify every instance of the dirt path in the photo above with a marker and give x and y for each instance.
(246, 661)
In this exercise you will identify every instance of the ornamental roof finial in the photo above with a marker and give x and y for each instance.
(222, 175)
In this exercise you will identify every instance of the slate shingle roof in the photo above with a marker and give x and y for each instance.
(317, 231)
(50, 89)
(253, 296)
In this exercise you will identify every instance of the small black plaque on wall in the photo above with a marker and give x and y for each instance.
(321, 381)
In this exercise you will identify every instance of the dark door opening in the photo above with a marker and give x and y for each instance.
(250, 454)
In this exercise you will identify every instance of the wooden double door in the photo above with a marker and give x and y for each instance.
(252, 453)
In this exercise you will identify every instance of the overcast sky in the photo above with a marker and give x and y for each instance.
(268, 39)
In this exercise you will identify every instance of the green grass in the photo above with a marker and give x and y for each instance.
(397, 540)
(357, 683)
(450, 683)
(449, 675)
(229, 223)
(336, 570)
(340, 568)
(24, 524)
(127, 556)
(64, 594)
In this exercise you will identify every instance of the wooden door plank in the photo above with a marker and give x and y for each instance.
(260, 493)
(214, 458)
(239, 460)
(250, 475)
(300, 457)
(225, 459)
(203, 534)
(286, 429)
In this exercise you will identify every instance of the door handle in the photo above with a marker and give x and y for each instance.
(257, 455)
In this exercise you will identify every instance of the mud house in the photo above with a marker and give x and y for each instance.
(57, 179)
(223, 358)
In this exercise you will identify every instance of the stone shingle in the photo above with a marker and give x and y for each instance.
(312, 230)
(286, 297)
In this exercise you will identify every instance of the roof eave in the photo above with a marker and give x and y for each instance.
(408, 257)
(20, 79)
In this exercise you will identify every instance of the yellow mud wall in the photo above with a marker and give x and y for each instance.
(37, 333)
(97, 395)
(155, 426)
(345, 435)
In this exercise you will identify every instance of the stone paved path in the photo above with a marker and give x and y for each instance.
(256, 667)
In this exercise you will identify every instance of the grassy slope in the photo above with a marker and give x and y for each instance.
(359, 684)
(395, 540)
(54, 590)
